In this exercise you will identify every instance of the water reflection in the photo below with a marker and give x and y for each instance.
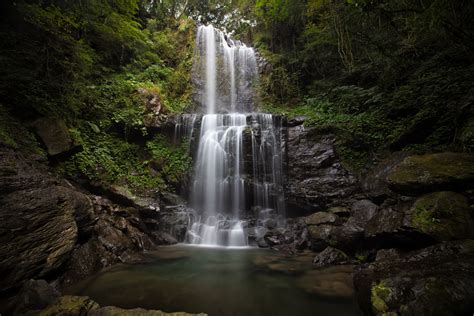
(224, 282)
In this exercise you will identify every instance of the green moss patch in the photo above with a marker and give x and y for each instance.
(443, 215)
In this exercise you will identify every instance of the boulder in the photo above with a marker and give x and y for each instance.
(321, 218)
(443, 216)
(330, 256)
(438, 280)
(54, 134)
(432, 172)
(434, 217)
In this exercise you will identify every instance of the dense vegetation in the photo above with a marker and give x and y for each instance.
(93, 63)
(384, 75)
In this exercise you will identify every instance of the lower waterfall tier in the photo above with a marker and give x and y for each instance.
(217, 232)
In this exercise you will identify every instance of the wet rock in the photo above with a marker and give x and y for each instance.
(321, 218)
(316, 178)
(433, 172)
(330, 256)
(174, 221)
(438, 280)
(54, 134)
(34, 296)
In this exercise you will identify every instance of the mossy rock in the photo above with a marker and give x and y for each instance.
(380, 295)
(443, 216)
(70, 305)
(432, 172)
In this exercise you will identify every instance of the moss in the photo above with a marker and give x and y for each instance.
(433, 168)
(16, 135)
(443, 215)
(380, 293)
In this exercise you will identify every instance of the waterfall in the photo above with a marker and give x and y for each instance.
(238, 161)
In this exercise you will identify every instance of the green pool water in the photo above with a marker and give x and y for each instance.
(224, 282)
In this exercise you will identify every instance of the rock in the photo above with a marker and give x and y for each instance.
(37, 220)
(34, 296)
(443, 216)
(374, 183)
(387, 254)
(55, 135)
(350, 234)
(431, 218)
(362, 211)
(316, 178)
(438, 280)
(433, 172)
(70, 306)
(321, 218)
(332, 282)
(113, 311)
(330, 256)
(175, 222)
(273, 238)
(82, 305)
(340, 211)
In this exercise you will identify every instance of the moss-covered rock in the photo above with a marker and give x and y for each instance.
(55, 135)
(321, 218)
(380, 294)
(432, 172)
(70, 305)
(443, 215)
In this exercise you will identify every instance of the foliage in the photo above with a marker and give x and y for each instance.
(173, 163)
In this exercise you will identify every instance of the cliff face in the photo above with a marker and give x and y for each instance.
(316, 178)
(51, 229)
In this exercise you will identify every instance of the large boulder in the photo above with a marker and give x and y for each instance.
(434, 217)
(316, 177)
(330, 256)
(438, 280)
(443, 215)
(54, 134)
(432, 172)
(38, 230)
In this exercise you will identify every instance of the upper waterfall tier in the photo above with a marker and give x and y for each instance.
(225, 72)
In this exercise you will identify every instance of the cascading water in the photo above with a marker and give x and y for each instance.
(238, 162)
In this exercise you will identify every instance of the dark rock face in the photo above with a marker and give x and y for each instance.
(330, 256)
(55, 135)
(433, 172)
(50, 229)
(316, 178)
(37, 220)
(438, 280)
(114, 234)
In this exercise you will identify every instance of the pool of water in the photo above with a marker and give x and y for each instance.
(224, 282)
